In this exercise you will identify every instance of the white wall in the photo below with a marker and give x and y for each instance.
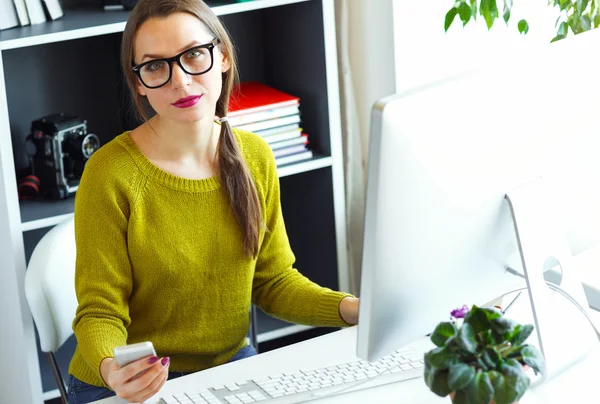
(424, 52)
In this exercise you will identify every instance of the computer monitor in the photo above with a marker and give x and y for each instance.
(439, 232)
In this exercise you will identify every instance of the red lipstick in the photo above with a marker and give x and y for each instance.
(187, 101)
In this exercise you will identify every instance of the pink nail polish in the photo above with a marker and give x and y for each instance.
(165, 361)
(153, 360)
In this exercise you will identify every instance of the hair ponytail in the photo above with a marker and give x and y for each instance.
(238, 183)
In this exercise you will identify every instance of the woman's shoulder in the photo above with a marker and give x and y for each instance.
(112, 161)
(256, 150)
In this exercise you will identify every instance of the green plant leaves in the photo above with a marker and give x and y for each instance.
(489, 10)
(511, 384)
(450, 15)
(442, 332)
(481, 390)
(464, 11)
(459, 376)
(466, 338)
(520, 334)
(441, 358)
(533, 357)
(440, 383)
(523, 27)
(578, 15)
(491, 357)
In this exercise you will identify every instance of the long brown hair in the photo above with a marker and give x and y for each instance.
(233, 171)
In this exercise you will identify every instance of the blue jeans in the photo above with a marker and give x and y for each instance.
(82, 393)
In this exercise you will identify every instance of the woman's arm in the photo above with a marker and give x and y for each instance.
(281, 290)
(103, 279)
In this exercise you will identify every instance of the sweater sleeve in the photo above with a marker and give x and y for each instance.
(278, 288)
(103, 279)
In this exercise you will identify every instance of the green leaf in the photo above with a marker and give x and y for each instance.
(442, 333)
(461, 397)
(429, 374)
(450, 15)
(506, 11)
(557, 38)
(489, 10)
(511, 385)
(440, 384)
(466, 338)
(562, 29)
(491, 357)
(534, 358)
(482, 365)
(523, 27)
(459, 376)
(503, 325)
(564, 4)
(464, 11)
(474, 9)
(586, 23)
(481, 390)
(597, 20)
(441, 358)
(478, 319)
(521, 333)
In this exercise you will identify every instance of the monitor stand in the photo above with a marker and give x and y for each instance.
(564, 335)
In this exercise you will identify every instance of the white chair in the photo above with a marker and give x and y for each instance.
(50, 291)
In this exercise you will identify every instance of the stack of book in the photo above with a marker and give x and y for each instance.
(18, 13)
(272, 114)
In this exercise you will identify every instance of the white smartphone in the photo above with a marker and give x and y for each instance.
(129, 353)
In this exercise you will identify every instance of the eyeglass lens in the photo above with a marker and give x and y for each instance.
(194, 61)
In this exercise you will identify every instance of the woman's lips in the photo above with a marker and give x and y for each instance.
(187, 101)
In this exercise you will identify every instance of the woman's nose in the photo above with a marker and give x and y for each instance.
(179, 78)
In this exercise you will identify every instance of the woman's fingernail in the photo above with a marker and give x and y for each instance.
(153, 360)
(165, 361)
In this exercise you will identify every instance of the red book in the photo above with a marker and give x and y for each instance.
(252, 96)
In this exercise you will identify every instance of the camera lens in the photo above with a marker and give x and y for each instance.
(90, 144)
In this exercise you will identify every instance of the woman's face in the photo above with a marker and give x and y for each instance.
(166, 37)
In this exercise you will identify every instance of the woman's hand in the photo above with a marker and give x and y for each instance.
(124, 382)
(349, 310)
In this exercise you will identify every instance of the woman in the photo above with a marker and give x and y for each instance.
(178, 223)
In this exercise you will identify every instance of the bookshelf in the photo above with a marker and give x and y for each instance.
(287, 44)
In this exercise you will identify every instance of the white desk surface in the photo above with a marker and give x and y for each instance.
(576, 385)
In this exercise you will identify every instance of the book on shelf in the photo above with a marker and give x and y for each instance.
(21, 12)
(53, 9)
(294, 158)
(302, 140)
(250, 97)
(35, 10)
(272, 114)
(8, 15)
(281, 136)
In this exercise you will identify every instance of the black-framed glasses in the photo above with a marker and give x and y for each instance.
(195, 61)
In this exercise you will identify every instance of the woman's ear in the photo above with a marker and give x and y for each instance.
(225, 63)
(140, 88)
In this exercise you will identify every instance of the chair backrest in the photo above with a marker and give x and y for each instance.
(50, 286)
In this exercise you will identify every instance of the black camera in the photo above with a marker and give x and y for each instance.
(59, 146)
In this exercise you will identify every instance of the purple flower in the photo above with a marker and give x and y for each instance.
(460, 313)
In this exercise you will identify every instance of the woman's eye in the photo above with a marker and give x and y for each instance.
(194, 53)
(154, 66)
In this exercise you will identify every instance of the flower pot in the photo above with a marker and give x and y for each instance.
(491, 402)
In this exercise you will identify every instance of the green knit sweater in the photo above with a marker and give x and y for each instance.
(160, 258)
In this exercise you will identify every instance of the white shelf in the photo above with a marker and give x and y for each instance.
(89, 22)
(301, 167)
(282, 332)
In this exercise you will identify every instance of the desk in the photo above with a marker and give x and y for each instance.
(576, 385)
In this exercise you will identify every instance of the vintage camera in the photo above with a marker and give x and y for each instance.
(59, 146)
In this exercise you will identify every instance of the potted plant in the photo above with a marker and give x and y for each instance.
(481, 358)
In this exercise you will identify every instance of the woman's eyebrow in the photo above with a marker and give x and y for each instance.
(153, 56)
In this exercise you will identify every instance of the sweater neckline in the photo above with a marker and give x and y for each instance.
(163, 177)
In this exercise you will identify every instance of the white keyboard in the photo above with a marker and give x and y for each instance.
(306, 385)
